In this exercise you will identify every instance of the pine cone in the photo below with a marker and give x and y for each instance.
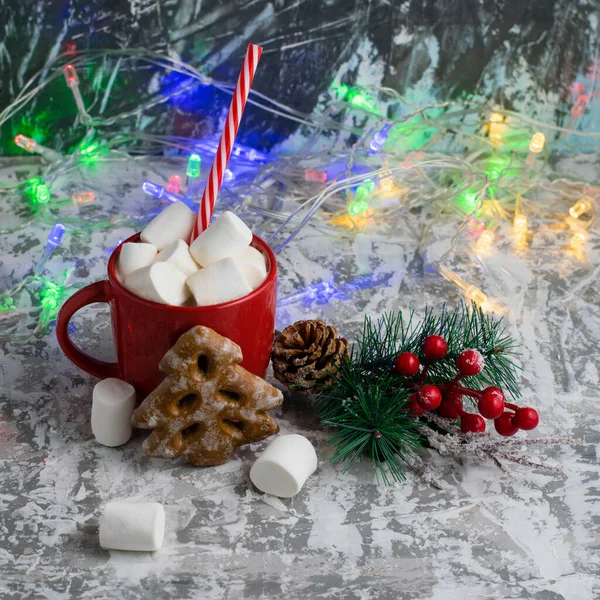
(307, 355)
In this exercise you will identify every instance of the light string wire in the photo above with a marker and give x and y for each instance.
(444, 131)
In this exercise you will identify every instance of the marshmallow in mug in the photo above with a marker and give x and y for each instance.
(227, 236)
(159, 282)
(252, 265)
(135, 256)
(220, 282)
(173, 223)
(284, 466)
(133, 526)
(177, 253)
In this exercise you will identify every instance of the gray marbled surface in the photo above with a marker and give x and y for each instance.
(484, 535)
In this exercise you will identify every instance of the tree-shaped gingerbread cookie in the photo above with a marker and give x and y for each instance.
(208, 405)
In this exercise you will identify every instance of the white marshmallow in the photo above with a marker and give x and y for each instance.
(133, 257)
(137, 526)
(173, 223)
(227, 236)
(252, 265)
(220, 282)
(284, 466)
(113, 401)
(159, 282)
(177, 253)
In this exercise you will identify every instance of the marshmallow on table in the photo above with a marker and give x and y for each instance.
(252, 265)
(159, 282)
(173, 223)
(135, 256)
(219, 282)
(137, 526)
(113, 401)
(284, 466)
(227, 236)
(177, 253)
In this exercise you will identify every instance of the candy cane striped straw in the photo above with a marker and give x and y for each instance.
(215, 177)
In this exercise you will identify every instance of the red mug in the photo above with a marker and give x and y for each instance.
(143, 331)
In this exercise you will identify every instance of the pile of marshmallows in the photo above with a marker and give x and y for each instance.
(281, 470)
(219, 266)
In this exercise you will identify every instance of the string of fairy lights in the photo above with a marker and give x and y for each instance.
(482, 166)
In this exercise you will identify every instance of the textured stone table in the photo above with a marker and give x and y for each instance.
(484, 535)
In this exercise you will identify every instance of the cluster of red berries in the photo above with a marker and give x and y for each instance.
(446, 398)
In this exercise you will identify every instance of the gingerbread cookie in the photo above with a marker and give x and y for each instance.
(208, 405)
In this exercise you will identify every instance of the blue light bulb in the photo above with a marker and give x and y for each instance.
(153, 189)
(158, 191)
(52, 241)
(319, 293)
(380, 138)
(55, 236)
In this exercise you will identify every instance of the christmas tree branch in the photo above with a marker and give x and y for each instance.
(371, 405)
(466, 327)
(369, 419)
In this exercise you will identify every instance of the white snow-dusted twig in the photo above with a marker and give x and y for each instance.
(483, 446)
(424, 471)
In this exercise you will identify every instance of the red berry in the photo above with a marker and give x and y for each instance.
(413, 407)
(430, 397)
(407, 364)
(504, 424)
(454, 395)
(471, 423)
(491, 403)
(526, 418)
(450, 408)
(470, 362)
(434, 347)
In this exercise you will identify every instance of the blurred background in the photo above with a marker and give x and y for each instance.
(537, 57)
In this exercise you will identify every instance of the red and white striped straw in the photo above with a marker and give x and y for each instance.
(215, 177)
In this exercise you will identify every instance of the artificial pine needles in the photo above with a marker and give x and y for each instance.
(366, 405)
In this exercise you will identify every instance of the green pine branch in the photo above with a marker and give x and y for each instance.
(366, 405)
(369, 420)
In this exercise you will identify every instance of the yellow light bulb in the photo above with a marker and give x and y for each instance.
(520, 225)
(582, 206)
(474, 294)
(496, 126)
(537, 143)
(452, 276)
(485, 241)
(578, 239)
(387, 184)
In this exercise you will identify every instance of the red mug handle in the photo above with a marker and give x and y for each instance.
(96, 292)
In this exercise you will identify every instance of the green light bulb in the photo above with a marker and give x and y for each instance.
(88, 150)
(494, 172)
(340, 89)
(42, 194)
(467, 201)
(359, 98)
(357, 207)
(6, 305)
(365, 189)
(193, 166)
(51, 296)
